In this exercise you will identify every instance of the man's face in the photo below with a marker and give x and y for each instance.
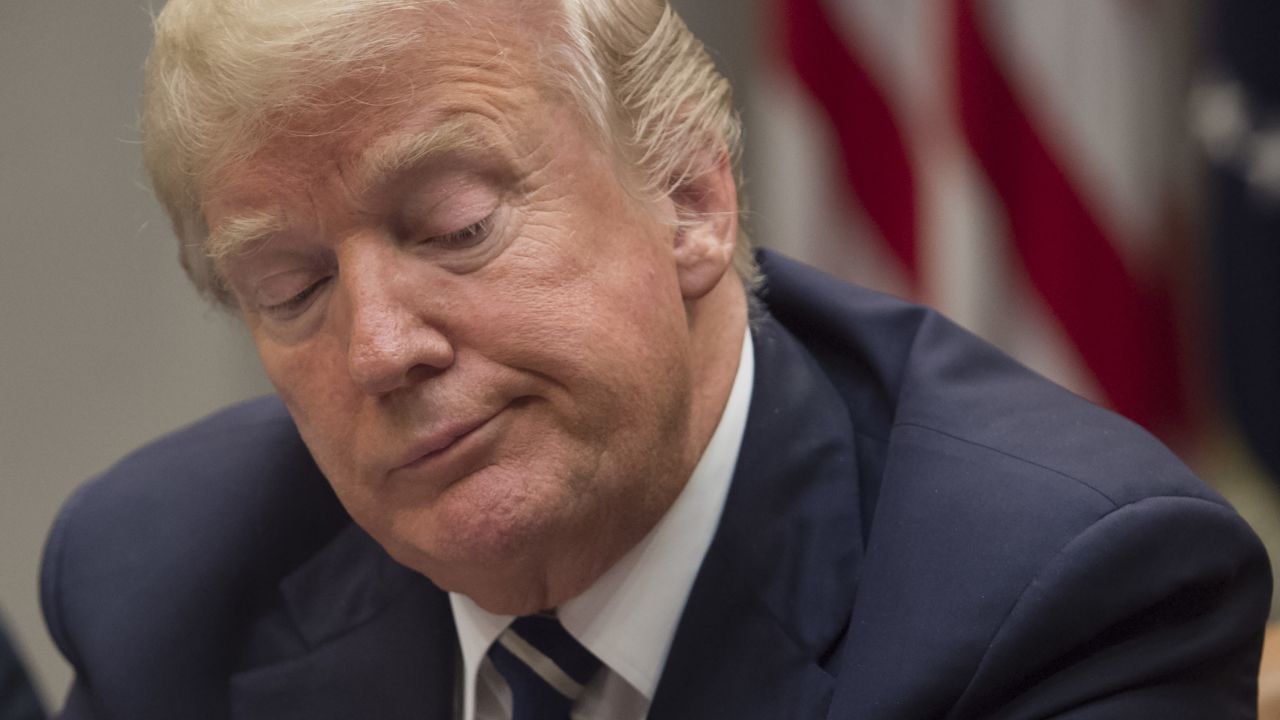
(480, 333)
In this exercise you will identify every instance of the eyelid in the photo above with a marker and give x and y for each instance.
(296, 304)
(473, 234)
(444, 205)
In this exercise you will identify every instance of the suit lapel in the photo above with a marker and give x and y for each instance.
(362, 631)
(775, 592)
(732, 659)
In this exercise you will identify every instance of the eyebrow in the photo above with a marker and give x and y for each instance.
(376, 166)
(233, 236)
(459, 135)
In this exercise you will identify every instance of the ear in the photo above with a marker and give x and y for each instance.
(707, 211)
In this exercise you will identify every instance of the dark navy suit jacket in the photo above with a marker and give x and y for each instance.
(918, 527)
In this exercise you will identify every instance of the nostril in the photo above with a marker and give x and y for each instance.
(422, 373)
(375, 371)
(403, 354)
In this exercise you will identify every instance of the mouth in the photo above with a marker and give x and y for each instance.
(440, 441)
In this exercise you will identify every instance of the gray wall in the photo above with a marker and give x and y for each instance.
(103, 345)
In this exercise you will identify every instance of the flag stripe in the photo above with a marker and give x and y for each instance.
(874, 158)
(1122, 326)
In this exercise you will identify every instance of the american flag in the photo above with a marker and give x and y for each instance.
(1024, 165)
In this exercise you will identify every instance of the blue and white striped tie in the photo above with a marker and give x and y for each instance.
(544, 666)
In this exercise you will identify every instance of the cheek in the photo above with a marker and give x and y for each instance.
(313, 382)
(577, 322)
(610, 340)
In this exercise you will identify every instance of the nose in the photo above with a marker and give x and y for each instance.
(392, 338)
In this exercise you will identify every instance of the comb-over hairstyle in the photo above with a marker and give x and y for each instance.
(224, 73)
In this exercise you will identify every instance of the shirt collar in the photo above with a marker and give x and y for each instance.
(628, 617)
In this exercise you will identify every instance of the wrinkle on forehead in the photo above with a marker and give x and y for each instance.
(396, 153)
(488, 41)
(486, 44)
(389, 156)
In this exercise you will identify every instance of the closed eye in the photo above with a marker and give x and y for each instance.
(295, 305)
(470, 236)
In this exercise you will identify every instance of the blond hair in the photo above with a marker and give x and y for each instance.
(222, 71)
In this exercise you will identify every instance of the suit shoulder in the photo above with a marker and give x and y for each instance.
(238, 435)
(963, 395)
(186, 527)
(911, 375)
(1028, 552)
(211, 472)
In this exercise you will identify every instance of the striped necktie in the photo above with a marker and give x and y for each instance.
(544, 666)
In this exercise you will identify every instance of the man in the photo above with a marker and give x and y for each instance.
(488, 252)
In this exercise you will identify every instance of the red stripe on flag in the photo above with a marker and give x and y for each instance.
(1122, 327)
(873, 155)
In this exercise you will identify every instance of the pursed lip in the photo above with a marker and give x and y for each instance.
(442, 438)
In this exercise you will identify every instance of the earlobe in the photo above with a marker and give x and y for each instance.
(707, 212)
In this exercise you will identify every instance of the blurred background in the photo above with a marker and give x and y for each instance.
(1093, 185)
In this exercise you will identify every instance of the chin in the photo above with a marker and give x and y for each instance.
(501, 576)
(486, 529)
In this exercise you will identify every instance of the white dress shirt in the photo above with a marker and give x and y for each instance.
(628, 617)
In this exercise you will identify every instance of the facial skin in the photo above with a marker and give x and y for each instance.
(505, 364)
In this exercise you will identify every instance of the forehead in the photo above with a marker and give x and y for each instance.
(251, 204)
(477, 73)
